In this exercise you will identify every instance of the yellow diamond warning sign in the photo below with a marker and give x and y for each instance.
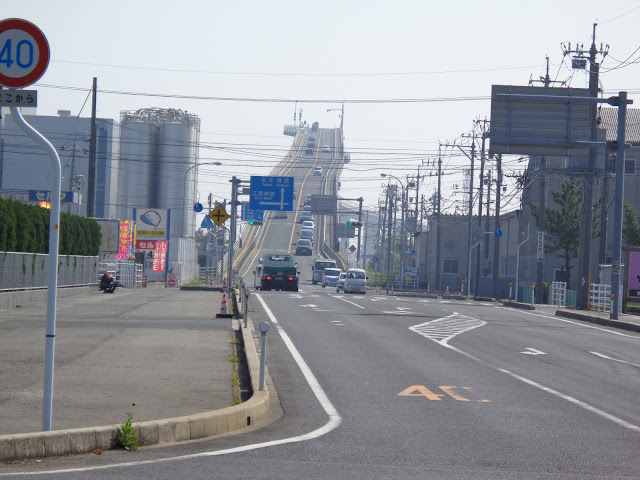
(218, 215)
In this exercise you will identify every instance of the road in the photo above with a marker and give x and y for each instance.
(381, 387)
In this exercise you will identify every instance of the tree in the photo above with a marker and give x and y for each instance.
(562, 225)
(630, 227)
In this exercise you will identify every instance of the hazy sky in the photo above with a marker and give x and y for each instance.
(446, 54)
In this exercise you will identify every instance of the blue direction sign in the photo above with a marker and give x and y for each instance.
(249, 214)
(271, 193)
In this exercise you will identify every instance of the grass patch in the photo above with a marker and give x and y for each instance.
(127, 436)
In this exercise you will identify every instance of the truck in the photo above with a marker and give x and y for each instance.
(314, 126)
(278, 271)
(319, 264)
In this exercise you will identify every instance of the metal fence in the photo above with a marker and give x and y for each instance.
(558, 293)
(23, 271)
(600, 298)
(126, 272)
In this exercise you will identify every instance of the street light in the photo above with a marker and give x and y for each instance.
(401, 232)
(74, 180)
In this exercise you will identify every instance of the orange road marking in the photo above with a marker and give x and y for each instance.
(422, 392)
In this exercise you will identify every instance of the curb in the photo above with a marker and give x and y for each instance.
(634, 327)
(524, 306)
(152, 432)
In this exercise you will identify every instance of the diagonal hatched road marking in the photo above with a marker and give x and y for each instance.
(444, 329)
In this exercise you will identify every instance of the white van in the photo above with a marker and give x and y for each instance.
(355, 281)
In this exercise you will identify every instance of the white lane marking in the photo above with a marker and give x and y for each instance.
(444, 329)
(573, 400)
(614, 359)
(566, 320)
(336, 321)
(334, 417)
(532, 351)
(445, 301)
(558, 394)
(348, 301)
(310, 305)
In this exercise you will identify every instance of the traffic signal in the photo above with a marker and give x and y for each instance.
(254, 222)
(354, 223)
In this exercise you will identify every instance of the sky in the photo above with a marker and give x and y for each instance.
(233, 55)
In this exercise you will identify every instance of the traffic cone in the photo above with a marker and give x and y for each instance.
(224, 312)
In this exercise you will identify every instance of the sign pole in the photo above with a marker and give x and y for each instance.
(52, 283)
(20, 34)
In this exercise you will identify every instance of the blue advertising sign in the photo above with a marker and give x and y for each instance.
(271, 193)
(249, 214)
(45, 196)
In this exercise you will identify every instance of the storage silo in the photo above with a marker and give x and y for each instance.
(176, 165)
(138, 146)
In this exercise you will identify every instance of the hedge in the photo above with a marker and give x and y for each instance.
(25, 228)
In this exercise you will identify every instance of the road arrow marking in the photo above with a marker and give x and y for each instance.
(533, 351)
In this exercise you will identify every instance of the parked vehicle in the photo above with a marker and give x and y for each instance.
(319, 264)
(330, 277)
(355, 281)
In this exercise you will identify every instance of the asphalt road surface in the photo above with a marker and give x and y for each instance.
(384, 387)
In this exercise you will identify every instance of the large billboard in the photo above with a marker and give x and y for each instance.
(539, 126)
(110, 230)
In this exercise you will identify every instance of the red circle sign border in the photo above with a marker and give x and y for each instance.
(43, 47)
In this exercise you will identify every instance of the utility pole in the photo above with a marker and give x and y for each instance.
(439, 228)
(235, 183)
(584, 258)
(389, 237)
(487, 181)
(359, 229)
(496, 239)
(91, 181)
(483, 132)
(604, 200)
(417, 196)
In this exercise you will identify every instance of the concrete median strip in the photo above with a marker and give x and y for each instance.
(153, 432)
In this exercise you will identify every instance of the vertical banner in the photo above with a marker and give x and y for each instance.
(159, 256)
(125, 240)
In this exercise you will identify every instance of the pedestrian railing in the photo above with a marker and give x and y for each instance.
(558, 293)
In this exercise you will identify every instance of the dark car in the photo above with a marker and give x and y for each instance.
(303, 247)
(309, 151)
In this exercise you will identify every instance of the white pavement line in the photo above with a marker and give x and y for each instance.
(334, 418)
(348, 301)
(614, 359)
(533, 351)
(566, 320)
(558, 394)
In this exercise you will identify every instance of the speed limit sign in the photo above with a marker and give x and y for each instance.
(24, 53)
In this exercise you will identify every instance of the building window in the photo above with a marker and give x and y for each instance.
(450, 265)
(629, 167)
